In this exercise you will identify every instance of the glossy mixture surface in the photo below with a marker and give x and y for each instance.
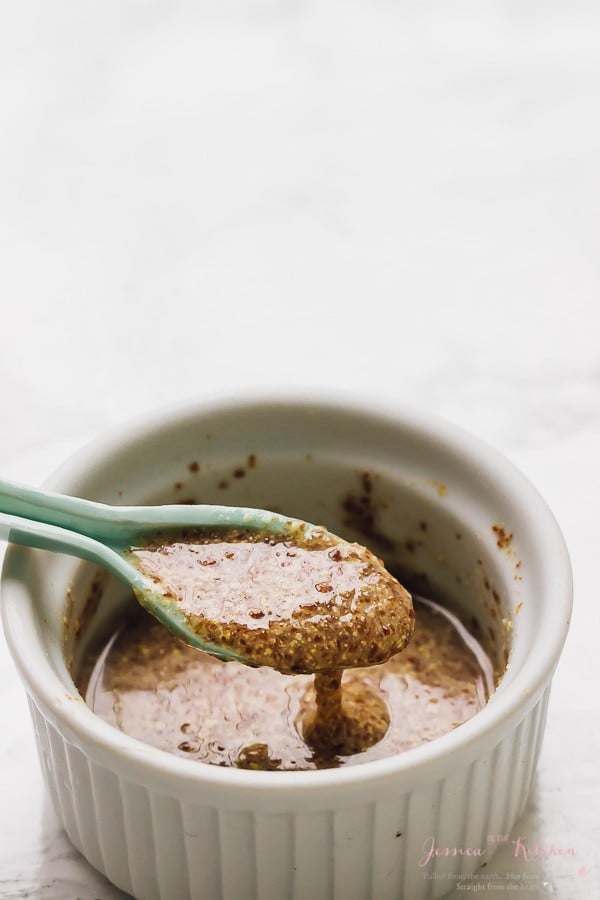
(306, 601)
(152, 686)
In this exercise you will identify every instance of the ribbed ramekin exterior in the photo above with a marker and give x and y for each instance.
(157, 847)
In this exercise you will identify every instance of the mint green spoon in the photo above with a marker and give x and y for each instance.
(102, 533)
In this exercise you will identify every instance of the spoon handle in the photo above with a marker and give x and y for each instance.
(108, 524)
(118, 525)
(83, 516)
(29, 533)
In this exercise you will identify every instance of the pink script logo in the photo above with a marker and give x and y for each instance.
(539, 851)
(430, 851)
(521, 849)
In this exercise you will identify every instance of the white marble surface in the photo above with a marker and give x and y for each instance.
(400, 197)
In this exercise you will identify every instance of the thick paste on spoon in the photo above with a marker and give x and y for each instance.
(303, 602)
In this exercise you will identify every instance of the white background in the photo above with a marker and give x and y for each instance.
(398, 197)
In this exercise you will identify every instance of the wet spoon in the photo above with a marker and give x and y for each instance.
(102, 534)
(106, 535)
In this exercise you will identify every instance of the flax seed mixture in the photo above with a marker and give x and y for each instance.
(300, 604)
(152, 686)
(303, 602)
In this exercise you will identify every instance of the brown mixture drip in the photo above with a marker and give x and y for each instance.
(344, 721)
(303, 602)
(153, 687)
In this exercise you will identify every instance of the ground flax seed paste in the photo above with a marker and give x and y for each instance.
(293, 605)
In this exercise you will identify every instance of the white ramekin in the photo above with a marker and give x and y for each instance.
(163, 827)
